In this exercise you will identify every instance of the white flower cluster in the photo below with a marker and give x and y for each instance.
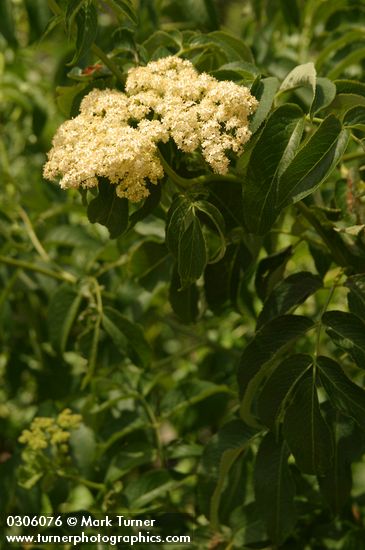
(116, 134)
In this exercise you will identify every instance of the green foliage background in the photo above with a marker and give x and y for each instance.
(228, 390)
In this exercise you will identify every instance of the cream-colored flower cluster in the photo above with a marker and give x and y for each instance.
(45, 431)
(116, 134)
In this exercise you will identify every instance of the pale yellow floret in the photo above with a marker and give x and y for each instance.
(195, 110)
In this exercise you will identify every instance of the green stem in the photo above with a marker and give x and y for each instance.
(62, 276)
(95, 341)
(86, 482)
(355, 155)
(187, 183)
(32, 235)
(108, 62)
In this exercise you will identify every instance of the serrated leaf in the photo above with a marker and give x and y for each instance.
(265, 346)
(127, 336)
(62, 311)
(302, 75)
(336, 483)
(184, 301)
(125, 8)
(7, 25)
(73, 8)
(148, 488)
(150, 264)
(324, 95)
(185, 240)
(233, 48)
(288, 294)
(355, 117)
(265, 93)
(275, 489)
(356, 296)
(342, 392)
(348, 331)
(270, 271)
(277, 144)
(221, 280)
(109, 210)
(188, 394)
(353, 58)
(87, 25)
(307, 433)
(313, 163)
(335, 45)
(217, 220)
(278, 388)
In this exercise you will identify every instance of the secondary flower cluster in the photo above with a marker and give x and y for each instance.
(116, 134)
(45, 431)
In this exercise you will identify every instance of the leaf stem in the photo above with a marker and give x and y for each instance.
(32, 235)
(96, 334)
(86, 482)
(62, 276)
(187, 183)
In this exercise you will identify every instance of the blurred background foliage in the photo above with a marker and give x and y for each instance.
(86, 322)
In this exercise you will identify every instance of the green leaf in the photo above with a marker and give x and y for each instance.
(148, 488)
(185, 240)
(265, 347)
(227, 460)
(221, 280)
(313, 163)
(83, 446)
(342, 392)
(307, 433)
(187, 394)
(355, 118)
(150, 264)
(265, 93)
(109, 210)
(270, 271)
(161, 39)
(72, 10)
(233, 48)
(336, 483)
(149, 205)
(275, 489)
(217, 221)
(348, 331)
(352, 58)
(87, 25)
(128, 337)
(227, 199)
(192, 256)
(291, 11)
(356, 296)
(7, 25)
(288, 294)
(335, 45)
(184, 301)
(125, 8)
(351, 87)
(133, 455)
(278, 388)
(302, 75)
(325, 94)
(274, 149)
(63, 308)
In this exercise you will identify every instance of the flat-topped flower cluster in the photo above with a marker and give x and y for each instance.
(115, 136)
